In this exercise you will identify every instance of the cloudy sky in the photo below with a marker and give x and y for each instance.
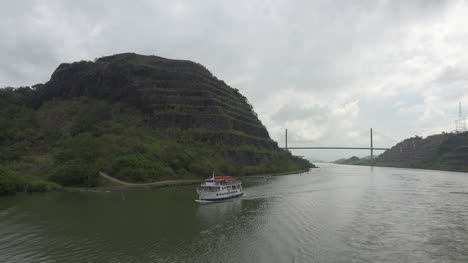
(326, 70)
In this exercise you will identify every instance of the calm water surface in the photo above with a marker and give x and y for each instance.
(335, 213)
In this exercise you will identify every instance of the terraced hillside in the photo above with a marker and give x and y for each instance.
(175, 93)
(138, 118)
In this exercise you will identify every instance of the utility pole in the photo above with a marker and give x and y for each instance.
(461, 119)
(460, 123)
(286, 140)
(371, 147)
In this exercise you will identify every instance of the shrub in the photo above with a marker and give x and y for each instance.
(8, 184)
(12, 182)
(74, 173)
(140, 168)
(201, 168)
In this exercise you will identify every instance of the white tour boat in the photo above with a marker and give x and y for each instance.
(218, 188)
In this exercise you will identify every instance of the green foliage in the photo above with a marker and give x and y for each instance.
(354, 160)
(140, 168)
(441, 151)
(12, 182)
(78, 160)
(8, 181)
(74, 173)
(201, 168)
(107, 124)
(70, 141)
(87, 124)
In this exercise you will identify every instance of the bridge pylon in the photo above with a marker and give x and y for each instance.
(371, 148)
(286, 140)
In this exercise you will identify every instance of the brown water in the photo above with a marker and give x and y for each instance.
(333, 214)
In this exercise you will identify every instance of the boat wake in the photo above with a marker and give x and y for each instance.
(206, 201)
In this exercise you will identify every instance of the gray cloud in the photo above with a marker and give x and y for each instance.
(294, 112)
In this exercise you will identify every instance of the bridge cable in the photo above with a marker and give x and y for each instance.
(385, 136)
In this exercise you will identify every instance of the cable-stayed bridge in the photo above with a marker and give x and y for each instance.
(371, 146)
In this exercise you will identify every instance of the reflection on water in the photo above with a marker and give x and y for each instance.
(332, 214)
(219, 212)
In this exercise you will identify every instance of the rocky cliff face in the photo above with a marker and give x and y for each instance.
(175, 93)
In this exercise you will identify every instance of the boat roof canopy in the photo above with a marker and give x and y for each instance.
(224, 177)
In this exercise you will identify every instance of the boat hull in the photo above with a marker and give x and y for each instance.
(220, 198)
(221, 194)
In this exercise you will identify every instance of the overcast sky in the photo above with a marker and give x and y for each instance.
(326, 70)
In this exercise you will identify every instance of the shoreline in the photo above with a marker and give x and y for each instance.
(402, 167)
(126, 186)
(163, 184)
(277, 174)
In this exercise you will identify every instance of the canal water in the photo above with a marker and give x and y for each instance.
(336, 213)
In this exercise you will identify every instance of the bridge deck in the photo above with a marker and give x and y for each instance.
(335, 148)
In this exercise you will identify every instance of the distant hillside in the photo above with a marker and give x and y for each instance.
(314, 159)
(446, 151)
(138, 118)
(354, 160)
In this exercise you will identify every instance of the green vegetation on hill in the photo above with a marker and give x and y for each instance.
(12, 182)
(354, 160)
(111, 116)
(447, 151)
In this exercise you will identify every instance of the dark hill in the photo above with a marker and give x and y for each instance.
(448, 151)
(139, 118)
(174, 93)
(354, 160)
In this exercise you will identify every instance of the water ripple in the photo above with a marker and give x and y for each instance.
(333, 214)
